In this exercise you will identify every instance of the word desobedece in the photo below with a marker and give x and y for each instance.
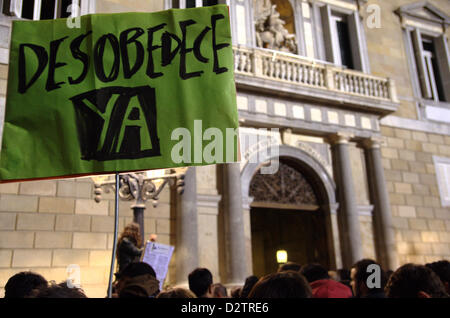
(119, 47)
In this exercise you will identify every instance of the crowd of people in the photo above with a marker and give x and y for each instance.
(366, 279)
(138, 280)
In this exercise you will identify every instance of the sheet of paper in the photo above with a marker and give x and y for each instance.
(158, 256)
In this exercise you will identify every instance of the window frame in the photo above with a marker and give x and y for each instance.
(356, 34)
(418, 84)
(432, 76)
(168, 4)
(417, 37)
(300, 29)
(15, 8)
(414, 26)
(445, 201)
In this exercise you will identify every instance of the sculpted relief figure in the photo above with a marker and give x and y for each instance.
(270, 30)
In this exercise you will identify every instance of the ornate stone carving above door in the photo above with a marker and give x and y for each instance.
(287, 186)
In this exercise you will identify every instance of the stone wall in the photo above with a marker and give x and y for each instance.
(47, 225)
(421, 224)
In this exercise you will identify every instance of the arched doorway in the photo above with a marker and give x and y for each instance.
(291, 210)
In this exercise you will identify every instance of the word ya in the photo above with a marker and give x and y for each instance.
(119, 48)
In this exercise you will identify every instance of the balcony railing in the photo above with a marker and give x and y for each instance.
(288, 68)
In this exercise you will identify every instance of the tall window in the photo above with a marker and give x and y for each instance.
(307, 15)
(343, 38)
(432, 65)
(182, 4)
(41, 9)
(434, 78)
(342, 51)
(428, 54)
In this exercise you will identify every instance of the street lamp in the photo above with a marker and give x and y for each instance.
(140, 187)
(282, 256)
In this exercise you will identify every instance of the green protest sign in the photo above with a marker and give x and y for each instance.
(124, 92)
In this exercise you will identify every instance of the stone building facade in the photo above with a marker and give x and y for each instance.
(348, 97)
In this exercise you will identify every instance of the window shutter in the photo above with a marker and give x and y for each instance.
(327, 37)
(354, 29)
(420, 62)
(443, 60)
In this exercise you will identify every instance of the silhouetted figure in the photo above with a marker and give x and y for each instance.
(236, 292)
(219, 291)
(129, 246)
(343, 277)
(442, 269)
(364, 281)
(21, 285)
(290, 266)
(137, 280)
(60, 290)
(200, 283)
(249, 283)
(322, 285)
(288, 284)
(176, 293)
(389, 274)
(415, 281)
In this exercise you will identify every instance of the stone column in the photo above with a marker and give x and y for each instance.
(234, 220)
(186, 249)
(348, 220)
(382, 218)
(246, 202)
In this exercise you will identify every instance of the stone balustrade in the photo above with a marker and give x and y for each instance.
(280, 66)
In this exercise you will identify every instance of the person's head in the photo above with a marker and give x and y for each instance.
(176, 293)
(415, 281)
(343, 274)
(249, 283)
(287, 284)
(313, 272)
(132, 233)
(133, 291)
(60, 290)
(219, 291)
(136, 269)
(442, 269)
(389, 273)
(21, 285)
(236, 292)
(200, 282)
(361, 273)
(290, 266)
(141, 274)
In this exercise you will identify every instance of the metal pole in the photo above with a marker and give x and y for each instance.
(116, 227)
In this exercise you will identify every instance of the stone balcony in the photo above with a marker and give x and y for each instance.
(284, 74)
